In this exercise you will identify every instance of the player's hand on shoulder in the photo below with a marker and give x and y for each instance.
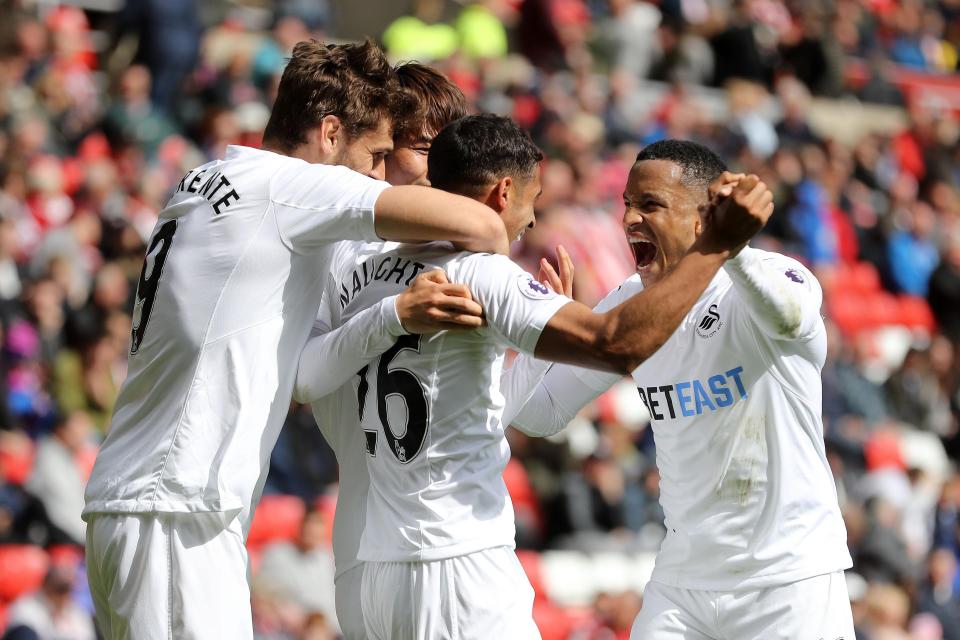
(432, 303)
(739, 207)
(561, 282)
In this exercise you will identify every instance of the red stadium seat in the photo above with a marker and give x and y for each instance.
(278, 517)
(16, 458)
(840, 280)
(916, 313)
(883, 450)
(327, 505)
(530, 561)
(552, 621)
(865, 277)
(856, 277)
(846, 309)
(22, 569)
(882, 309)
(66, 554)
(524, 498)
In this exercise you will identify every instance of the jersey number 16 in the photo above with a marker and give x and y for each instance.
(397, 382)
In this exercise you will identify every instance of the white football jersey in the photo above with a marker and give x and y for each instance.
(429, 408)
(748, 495)
(229, 290)
(336, 416)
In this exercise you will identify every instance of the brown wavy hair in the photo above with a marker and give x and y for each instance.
(433, 102)
(352, 81)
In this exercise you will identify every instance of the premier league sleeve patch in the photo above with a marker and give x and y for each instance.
(533, 288)
(795, 275)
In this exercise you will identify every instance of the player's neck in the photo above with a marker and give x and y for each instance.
(303, 152)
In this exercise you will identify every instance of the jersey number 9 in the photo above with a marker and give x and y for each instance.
(150, 280)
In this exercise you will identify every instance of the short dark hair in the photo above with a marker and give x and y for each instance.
(700, 165)
(352, 81)
(476, 151)
(433, 101)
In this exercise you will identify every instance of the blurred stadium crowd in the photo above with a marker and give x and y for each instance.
(847, 108)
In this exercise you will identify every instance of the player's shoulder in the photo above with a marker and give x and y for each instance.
(292, 176)
(334, 175)
(480, 266)
(487, 273)
(257, 162)
(483, 260)
(344, 253)
(633, 284)
(792, 269)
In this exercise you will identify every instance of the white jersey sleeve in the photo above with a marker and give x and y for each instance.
(517, 306)
(783, 298)
(565, 389)
(519, 382)
(319, 204)
(336, 417)
(330, 359)
(554, 403)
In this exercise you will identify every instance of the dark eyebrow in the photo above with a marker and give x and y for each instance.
(652, 195)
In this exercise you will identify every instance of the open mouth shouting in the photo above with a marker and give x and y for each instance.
(644, 251)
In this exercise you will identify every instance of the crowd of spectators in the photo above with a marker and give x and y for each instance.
(102, 113)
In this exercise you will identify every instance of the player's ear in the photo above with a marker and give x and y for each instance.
(703, 211)
(330, 135)
(503, 192)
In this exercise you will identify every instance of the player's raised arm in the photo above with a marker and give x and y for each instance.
(420, 214)
(429, 305)
(622, 338)
(541, 397)
(783, 298)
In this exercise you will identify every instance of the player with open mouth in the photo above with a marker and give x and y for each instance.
(644, 251)
(755, 545)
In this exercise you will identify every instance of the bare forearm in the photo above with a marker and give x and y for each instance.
(622, 338)
(422, 214)
(638, 327)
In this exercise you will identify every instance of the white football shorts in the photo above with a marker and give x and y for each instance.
(348, 599)
(817, 608)
(166, 575)
(480, 595)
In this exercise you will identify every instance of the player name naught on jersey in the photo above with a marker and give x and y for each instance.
(379, 269)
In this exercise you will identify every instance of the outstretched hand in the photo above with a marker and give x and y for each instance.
(560, 282)
(432, 303)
